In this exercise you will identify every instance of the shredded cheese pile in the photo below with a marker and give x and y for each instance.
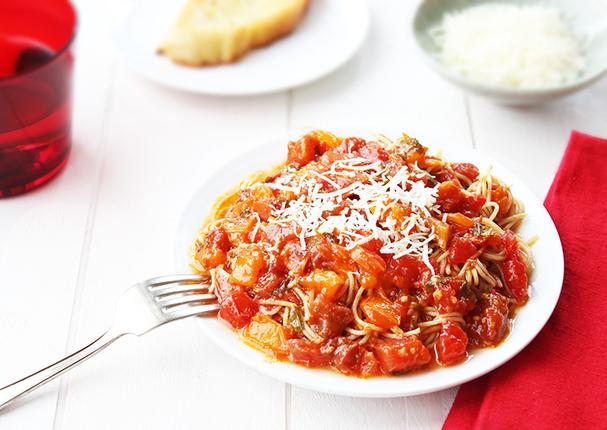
(510, 45)
(360, 211)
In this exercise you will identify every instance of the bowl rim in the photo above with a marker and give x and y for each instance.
(496, 90)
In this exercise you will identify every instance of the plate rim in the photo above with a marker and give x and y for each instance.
(388, 387)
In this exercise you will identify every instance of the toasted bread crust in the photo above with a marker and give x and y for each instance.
(197, 47)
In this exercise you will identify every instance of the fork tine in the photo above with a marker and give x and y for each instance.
(167, 301)
(180, 296)
(185, 304)
(174, 288)
(160, 281)
(189, 310)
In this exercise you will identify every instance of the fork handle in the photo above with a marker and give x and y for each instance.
(19, 388)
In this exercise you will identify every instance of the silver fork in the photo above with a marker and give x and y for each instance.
(141, 308)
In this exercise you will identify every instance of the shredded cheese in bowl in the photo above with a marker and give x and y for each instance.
(510, 46)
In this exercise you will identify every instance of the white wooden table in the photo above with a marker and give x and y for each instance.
(68, 250)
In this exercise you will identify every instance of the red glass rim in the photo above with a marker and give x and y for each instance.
(63, 10)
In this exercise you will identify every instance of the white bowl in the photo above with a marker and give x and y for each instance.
(587, 18)
(544, 292)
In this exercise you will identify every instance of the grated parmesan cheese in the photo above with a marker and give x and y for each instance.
(510, 46)
(358, 221)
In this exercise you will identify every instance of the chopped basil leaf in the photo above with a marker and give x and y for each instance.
(477, 229)
(281, 288)
(295, 320)
(466, 291)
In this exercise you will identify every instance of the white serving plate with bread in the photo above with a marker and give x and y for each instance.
(329, 33)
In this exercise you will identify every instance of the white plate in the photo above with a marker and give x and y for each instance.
(330, 33)
(546, 284)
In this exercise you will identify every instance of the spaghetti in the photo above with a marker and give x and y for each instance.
(368, 257)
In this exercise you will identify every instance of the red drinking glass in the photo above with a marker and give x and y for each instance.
(36, 63)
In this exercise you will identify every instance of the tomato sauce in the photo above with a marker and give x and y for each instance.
(371, 258)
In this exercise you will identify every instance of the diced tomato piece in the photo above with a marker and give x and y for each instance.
(510, 243)
(424, 274)
(266, 334)
(326, 140)
(320, 251)
(451, 344)
(404, 271)
(343, 354)
(326, 255)
(415, 151)
(460, 220)
(482, 237)
(241, 206)
(214, 247)
(516, 279)
(467, 169)
(357, 147)
(407, 311)
(346, 355)
(450, 196)
(501, 196)
(442, 231)
(448, 296)
(374, 245)
(461, 250)
(224, 287)
(424, 295)
(263, 209)
(254, 200)
(487, 325)
(247, 265)
(261, 191)
(401, 355)
(444, 175)
(380, 311)
(326, 282)
(238, 309)
(239, 228)
(431, 164)
(307, 353)
(293, 256)
(491, 239)
(271, 279)
(399, 213)
(276, 233)
(351, 358)
(306, 149)
(369, 366)
(370, 265)
(368, 281)
(368, 261)
(473, 204)
(267, 284)
(328, 319)
(514, 269)
(218, 238)
(372, 151)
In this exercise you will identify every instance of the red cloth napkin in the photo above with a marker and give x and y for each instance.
(560, 380)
